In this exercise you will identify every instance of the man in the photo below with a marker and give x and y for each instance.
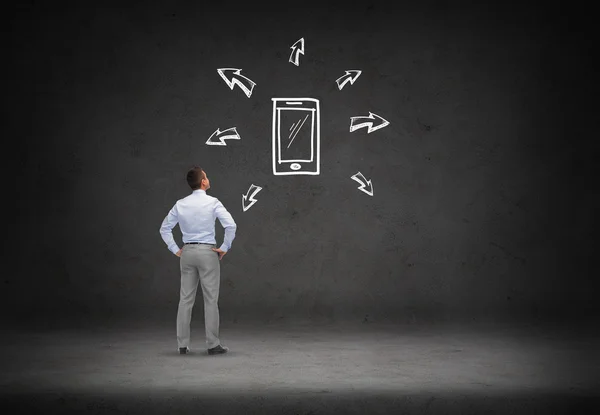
(199, 257)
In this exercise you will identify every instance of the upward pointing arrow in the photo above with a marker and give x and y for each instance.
(297, 49)
(244, 83)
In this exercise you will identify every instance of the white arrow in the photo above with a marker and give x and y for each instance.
(254, 189)
(351, 76)
(363, 182)
(355, 122)
(296, 51)
(244, 83)
(221, 136)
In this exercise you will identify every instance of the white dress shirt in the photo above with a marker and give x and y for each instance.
(196, 215)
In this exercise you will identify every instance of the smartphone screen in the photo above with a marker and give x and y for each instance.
(295, 136)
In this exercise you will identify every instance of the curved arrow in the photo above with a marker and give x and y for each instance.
(363, 182)
(360, 122)
(244, 83)
(250, 196)
(351, 76)
(221, 136)
(296, 50)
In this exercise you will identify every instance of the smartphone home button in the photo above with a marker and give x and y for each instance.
(295, 166)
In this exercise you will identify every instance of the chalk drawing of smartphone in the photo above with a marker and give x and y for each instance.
(296, 141)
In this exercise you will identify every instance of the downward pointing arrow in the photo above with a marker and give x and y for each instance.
(244, 83)
(221, 136)
(363, 182)
(360, 122)
(252, 191)
(297, 48)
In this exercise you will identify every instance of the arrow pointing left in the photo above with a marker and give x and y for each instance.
(252, 191)
(221, 136)
(244, 83)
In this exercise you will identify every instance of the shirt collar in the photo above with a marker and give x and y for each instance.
(199, 191)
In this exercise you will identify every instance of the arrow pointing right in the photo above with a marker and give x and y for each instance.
(351, 76)
(363, 121)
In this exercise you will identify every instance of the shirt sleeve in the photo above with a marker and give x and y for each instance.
(166, 229)
(228, 225)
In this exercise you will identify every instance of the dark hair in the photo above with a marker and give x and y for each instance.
(194, 177)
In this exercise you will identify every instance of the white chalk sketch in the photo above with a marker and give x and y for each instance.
(296, 136)
(233, 77)
(364, 121)
(363, 183)
(297, 49)
(351, 76)
(218, 137)
(249, 196)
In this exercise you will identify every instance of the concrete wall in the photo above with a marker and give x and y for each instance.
(482, 202)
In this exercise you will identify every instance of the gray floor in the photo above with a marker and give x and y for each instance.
(302, 368)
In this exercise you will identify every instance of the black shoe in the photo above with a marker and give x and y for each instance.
(218, 350)
(184, 350)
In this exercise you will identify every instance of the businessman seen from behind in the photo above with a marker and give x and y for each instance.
(199, 257)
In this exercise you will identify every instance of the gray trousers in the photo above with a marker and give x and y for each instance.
(199, 263)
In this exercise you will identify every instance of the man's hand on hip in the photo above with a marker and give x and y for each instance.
(179, 252)
(220, 252)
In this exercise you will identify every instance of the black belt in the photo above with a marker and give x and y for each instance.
(197, 243)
